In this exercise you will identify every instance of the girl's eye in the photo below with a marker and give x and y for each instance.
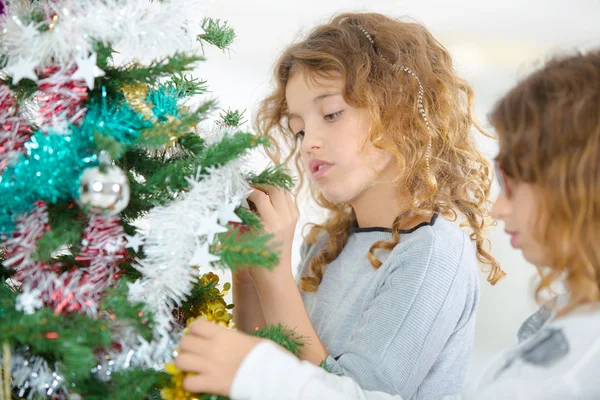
(300, 134)
(334, 116)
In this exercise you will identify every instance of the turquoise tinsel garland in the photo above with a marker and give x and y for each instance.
(164, 99)
(48, 171)
(52, 165)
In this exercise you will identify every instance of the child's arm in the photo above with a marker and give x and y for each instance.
(256, 369)
(279, 296)
(247, 313)
(270, 373)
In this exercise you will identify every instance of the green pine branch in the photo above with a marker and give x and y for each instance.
(283, 336)
(130, 384)
(22, 91)
(241, 250)
(163, 133)
(230, 148)
(67, 338)
(250, 219)
(104, 54)
(115, 78)
(116, 303)
(138, 384)
(273, 176)
(216, 33)
(67, 223)
(110, 145)
(232, 118)
(189, 145)
(188, 86)
(163, 177)
(70, 339)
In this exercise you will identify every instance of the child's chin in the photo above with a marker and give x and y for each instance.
(337, 198)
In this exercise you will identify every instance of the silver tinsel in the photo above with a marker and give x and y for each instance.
(33, 376)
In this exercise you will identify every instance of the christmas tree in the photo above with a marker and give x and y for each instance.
(93, 303)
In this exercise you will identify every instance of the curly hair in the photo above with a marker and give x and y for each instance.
(549, 134)
(457, 183)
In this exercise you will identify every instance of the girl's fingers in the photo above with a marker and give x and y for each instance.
(263, 205)
(282, 202)
(193, 344)
(204, 329)
(201, 383)
(190, 362)
(277, 198)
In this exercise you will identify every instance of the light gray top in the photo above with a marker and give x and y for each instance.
(406, 328)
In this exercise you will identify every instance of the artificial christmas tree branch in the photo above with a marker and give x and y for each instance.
(242, 250)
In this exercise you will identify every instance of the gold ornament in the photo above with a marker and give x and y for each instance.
(175, 390)
(215, 310)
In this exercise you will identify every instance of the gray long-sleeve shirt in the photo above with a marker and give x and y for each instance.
(406, 328)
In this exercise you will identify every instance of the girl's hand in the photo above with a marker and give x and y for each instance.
(279, 215)
(242, 276)
(214, 354)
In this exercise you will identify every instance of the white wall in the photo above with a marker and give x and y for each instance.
(493, 43)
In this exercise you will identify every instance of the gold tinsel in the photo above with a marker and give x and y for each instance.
(216, 311)
(136, 95)
(5, 393)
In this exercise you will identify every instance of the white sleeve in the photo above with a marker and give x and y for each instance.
(270, 373)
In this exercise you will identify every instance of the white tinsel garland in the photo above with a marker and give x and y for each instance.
(135, 28)
(177, 243)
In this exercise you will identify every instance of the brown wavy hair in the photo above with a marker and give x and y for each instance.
(458, 182)
(549, 133)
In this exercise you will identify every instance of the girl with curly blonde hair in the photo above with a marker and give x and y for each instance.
(549, 172)
(371, 109)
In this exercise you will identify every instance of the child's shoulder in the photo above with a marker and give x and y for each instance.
(436, 235)
(441, 242)
(311, 248)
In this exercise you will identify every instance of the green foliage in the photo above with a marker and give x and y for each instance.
(115, 303)
(130, 384)
(250, 219)
(187, 86)
(24, 90)
(274, 176)
(283, 336)
(167, 132)
(249, 249)
(67, 223)
(217, 34)
(232, 118)
(116, 78)
(70, 339)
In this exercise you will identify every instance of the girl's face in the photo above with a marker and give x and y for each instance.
(518, 207)
(335, 146)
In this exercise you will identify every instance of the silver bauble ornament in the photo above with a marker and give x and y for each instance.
(103, 190)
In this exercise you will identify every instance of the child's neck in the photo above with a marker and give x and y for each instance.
(379, 206)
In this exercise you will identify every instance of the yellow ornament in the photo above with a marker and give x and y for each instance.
(216, 311)
(175, 390)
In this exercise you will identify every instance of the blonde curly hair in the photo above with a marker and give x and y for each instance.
(458, 180)
(549, 134)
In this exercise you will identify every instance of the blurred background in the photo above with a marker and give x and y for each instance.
(494, 44)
